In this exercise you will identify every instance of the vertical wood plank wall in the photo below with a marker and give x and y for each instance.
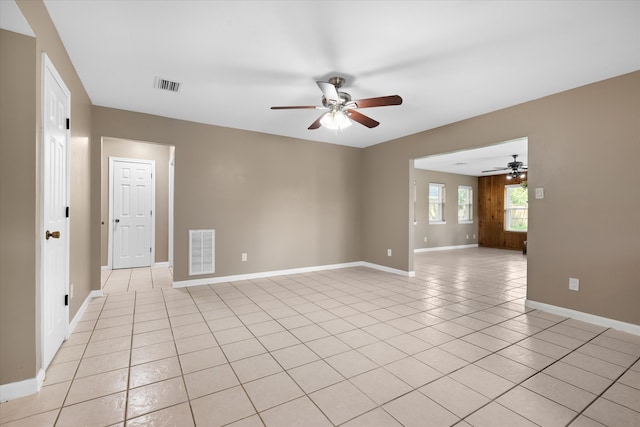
(491, 232)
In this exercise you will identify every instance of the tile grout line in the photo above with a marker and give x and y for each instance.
(366, 292)
(226, 358)
(599, 396)
(184, 383)
(75, 373)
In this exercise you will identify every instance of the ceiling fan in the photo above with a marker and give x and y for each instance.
(516, 169)
(342, 108)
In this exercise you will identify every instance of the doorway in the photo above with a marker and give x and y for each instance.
(471, 206)
(138, 151)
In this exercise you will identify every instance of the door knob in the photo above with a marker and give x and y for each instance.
(117, 220)
(54, 234)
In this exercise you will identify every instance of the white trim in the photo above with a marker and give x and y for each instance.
(261, 275)
(33, 385)
(105, 267)
(388, 269)
(21, 388)
(172, 162)
(164, 264)
(584, 317)
(112, 161)
(444, 248)
(81, 310)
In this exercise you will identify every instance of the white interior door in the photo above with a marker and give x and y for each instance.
(132, 211)
(55, 223)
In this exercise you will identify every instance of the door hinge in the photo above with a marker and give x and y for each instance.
(66, 300)
(66, 212)
(151, 213)
(149, 250)
(68, 124)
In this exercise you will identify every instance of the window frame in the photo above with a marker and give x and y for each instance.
(469, 190)
(508, 209)
(440, 202)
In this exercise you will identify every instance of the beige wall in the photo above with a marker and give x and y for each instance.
(451, 233)
(143, 151)
(287, 203)
(585, 227)
(20, 198)
(17, 206)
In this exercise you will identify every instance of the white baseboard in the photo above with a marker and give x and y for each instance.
(389, 269)
(585, 317)
(21, 388)
(32, 385)
(164, 264)
(72, 326)
(444, 248)
(105, 267)
(261, 275)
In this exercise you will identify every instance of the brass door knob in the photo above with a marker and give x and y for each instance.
(54, 234)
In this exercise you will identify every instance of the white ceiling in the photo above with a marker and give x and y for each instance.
(449, 60)
(11, 19)
(474, 162)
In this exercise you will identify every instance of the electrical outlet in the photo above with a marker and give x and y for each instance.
(574, 284)
(539, 193)
(474, 236)
(425, 239)
(244, 256)
(467, 237)
(388, 252)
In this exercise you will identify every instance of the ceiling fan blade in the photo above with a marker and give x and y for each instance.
(362, 119)
(296, 107)
(380, 101)
(329, 91)
(316, 124)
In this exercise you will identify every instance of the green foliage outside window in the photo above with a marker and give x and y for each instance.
(516, 209)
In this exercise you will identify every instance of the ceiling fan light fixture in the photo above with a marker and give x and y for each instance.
(335, 120)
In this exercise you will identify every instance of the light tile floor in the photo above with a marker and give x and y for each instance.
(354, 347)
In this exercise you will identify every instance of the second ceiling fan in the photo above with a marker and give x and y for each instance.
(342, 109)
(516, 168)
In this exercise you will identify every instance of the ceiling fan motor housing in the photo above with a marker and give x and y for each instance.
(344, 99)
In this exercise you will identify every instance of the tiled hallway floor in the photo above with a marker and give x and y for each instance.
(355, 347)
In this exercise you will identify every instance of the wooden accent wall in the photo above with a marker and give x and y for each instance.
(491, 232)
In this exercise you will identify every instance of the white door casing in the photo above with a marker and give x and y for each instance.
(54, 280)
(131, 212)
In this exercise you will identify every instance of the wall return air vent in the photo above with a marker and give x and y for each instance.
(202, 252)
(165, 84)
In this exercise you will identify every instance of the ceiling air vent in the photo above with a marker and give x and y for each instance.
(165, 84)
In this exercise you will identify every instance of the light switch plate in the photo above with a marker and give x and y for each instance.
(539, 193)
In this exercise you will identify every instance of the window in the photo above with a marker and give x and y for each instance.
(516, 211)
(465, 204)
(436, 203)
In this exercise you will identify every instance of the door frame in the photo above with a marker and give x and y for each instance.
(172, 163)
(48, 67)
(112, 161)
